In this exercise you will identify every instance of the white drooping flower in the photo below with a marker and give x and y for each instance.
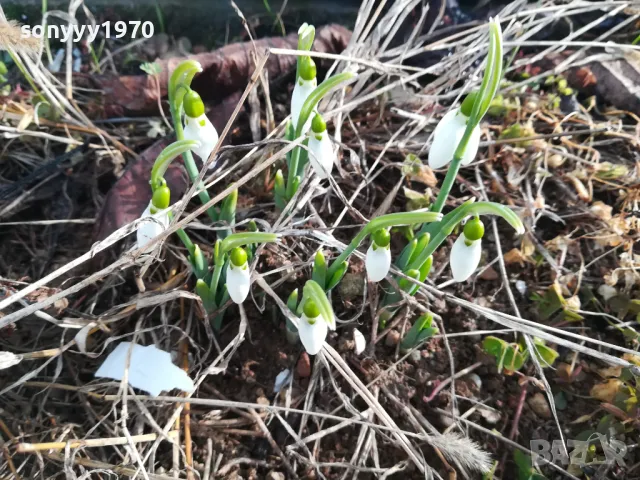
(378, 259)
(300, 93)
(465, 257)
(447, 136)
(312, 333)
(321, 154)
(198, 127)
(467, 250)
(149, 369)
(305, 84)
(152, 226)
(238, 275)
(313, 328)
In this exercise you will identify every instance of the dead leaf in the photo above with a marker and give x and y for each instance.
(601, 210)
(610, 372)
(225, 71)
(607, 391)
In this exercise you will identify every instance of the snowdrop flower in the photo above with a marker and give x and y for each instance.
(467, 249)
(312, 328)
(321, 153)
(238, 275)
(378, 260)
(154, 224)
(198, 127)
(305, 84)
(448, 134)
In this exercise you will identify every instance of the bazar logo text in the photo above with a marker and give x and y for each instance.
(579, 452)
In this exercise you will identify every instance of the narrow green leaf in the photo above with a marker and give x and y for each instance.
(315, 292)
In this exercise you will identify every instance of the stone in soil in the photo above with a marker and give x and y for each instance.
(303, 368)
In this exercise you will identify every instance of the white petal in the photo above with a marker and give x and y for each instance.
(321, 154)
(151, 228)
(283, 378)
(300, 93)
(446, 138)
(472, 146)
(378, 263)
(8, 359)
(358, 338)
(238, 282)
(312, 336)
(202, 130)
(464, 258)
(150, 369)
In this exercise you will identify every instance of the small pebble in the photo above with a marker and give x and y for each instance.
(540, 406)
(303, 369)
(275, 476)
(415, 356)
(392, 338)
(477, 381)
(521, 286)
(491, 416)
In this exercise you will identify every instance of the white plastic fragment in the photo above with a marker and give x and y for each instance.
(150, 369)
(281, 380)
(8, 359)
(359, 340)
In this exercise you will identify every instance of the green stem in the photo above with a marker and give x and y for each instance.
(184, 237)
(385, 221)
(215, 278)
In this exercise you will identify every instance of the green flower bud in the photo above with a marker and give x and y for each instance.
(307, 68)
(193, 105)
(406, 284)
(318, 125)
(381, 238)
(474, 229)
(467, 104)
(238, 256)
(161, 197)
(310, 309)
